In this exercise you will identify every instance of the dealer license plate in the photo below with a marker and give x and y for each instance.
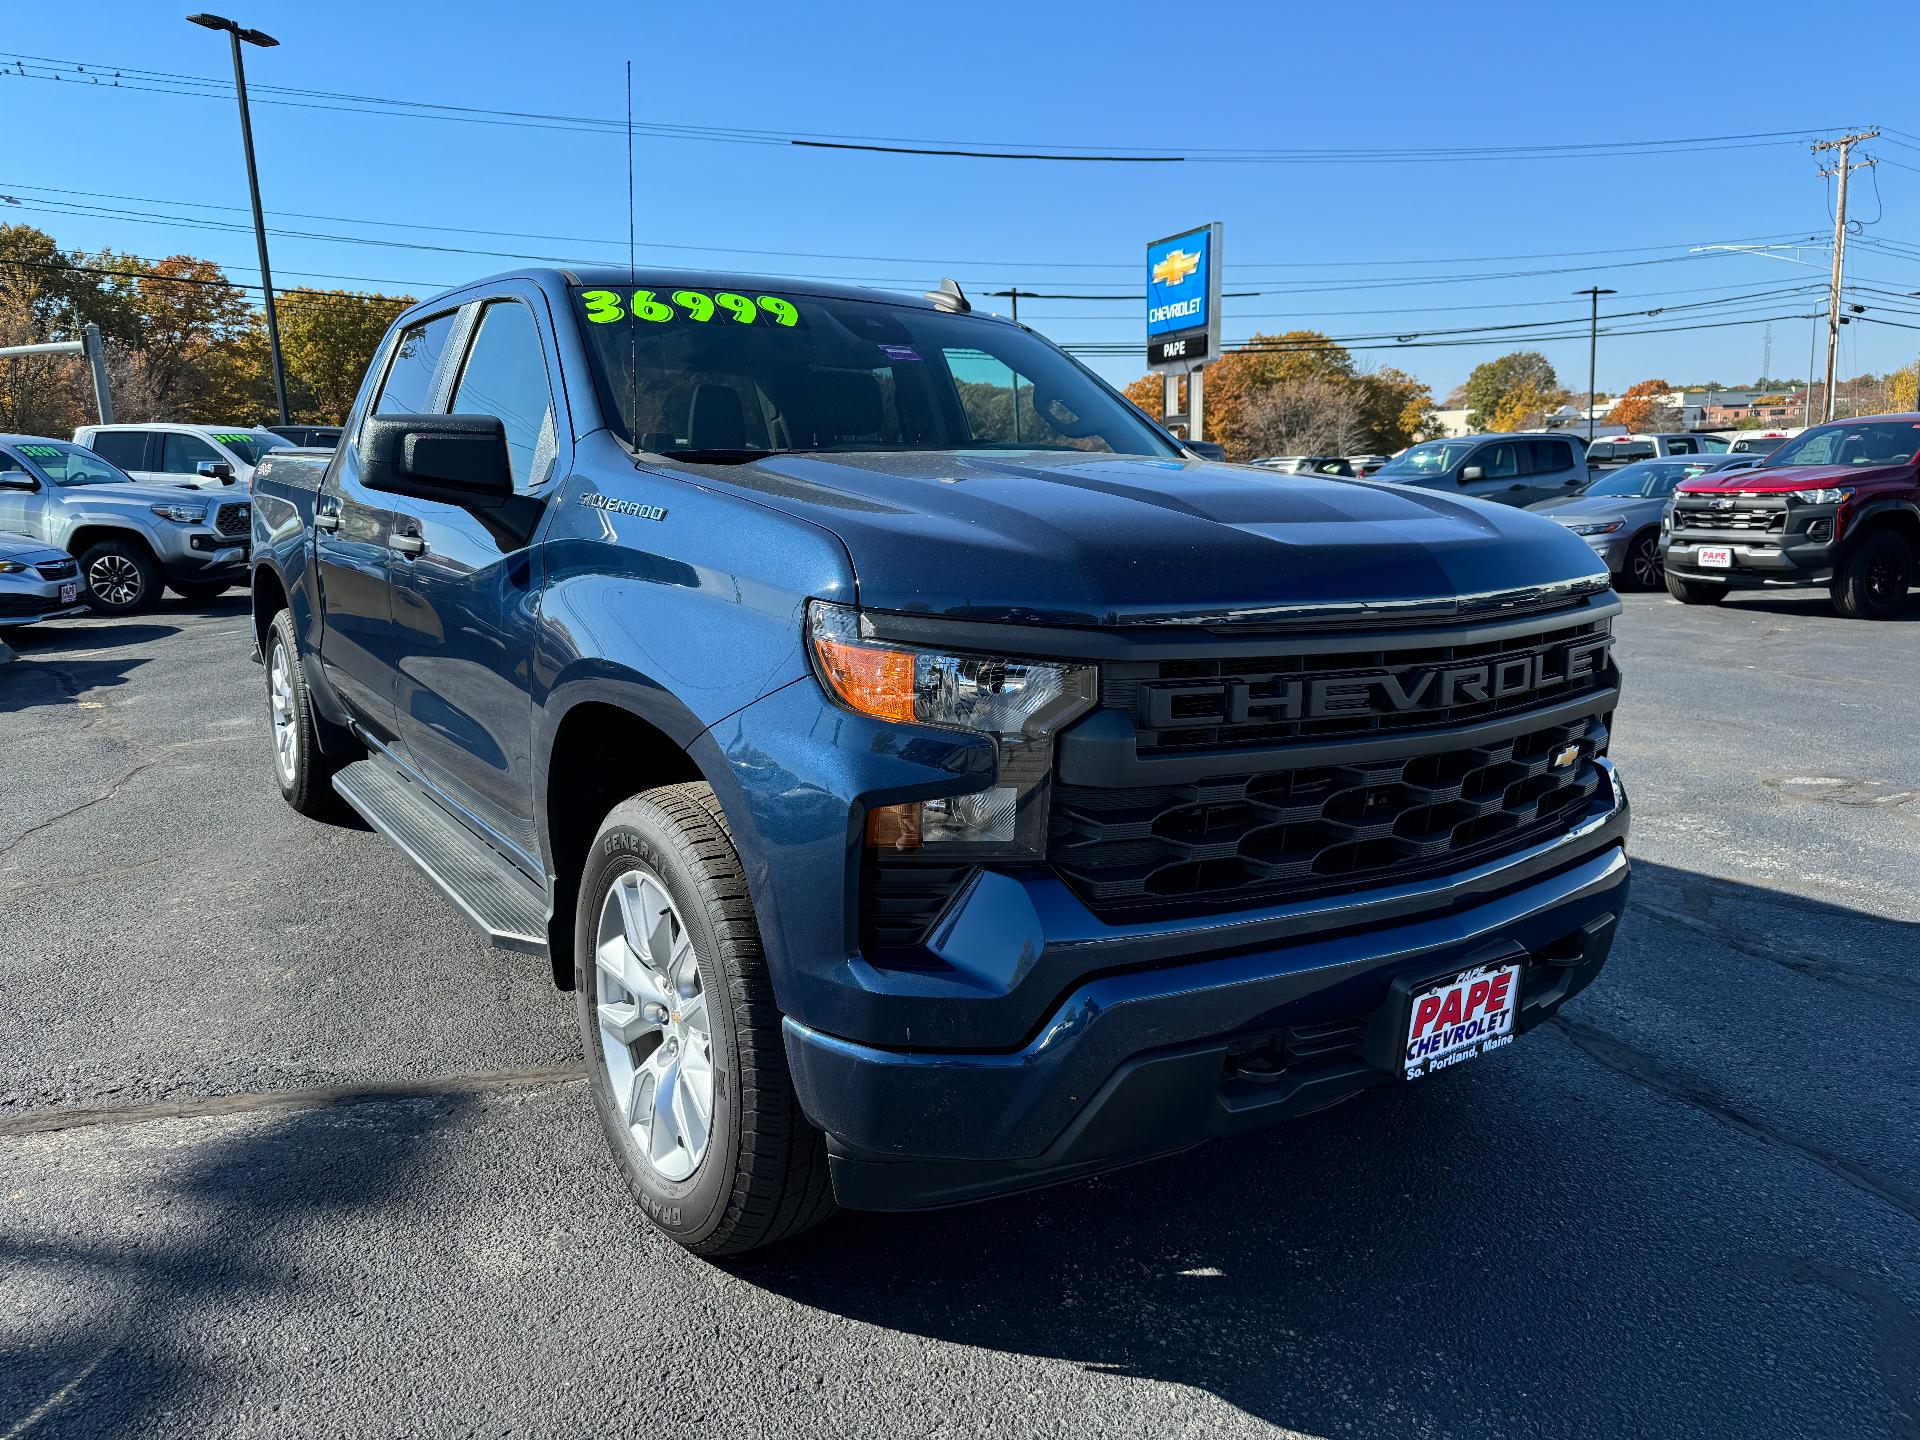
(1716, 557)
(69, 594)
(1460, 1018)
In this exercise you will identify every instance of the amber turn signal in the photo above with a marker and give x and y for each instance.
(894, 827)
(867, 678)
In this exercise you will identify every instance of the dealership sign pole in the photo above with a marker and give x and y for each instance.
(1183, 315)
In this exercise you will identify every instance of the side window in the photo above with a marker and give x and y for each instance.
(506, 375)
(1682, 445)
(185, 454)
(10, 466)
(408, 388)
(1002, 409)
(1498, 462)
(125, 448)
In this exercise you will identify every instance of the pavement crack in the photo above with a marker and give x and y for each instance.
(112, 791)
(1617, 1055)
(370, 1092)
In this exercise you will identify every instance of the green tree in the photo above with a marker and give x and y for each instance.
(327, 339)
(1490, 383)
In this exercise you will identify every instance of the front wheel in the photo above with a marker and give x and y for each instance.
(1873, 582)
(121, 577)
(1644, 570)
(1694, 592)
(682, 1038)
(304, 770)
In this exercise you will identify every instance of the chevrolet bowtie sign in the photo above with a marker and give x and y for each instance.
(1183, 299)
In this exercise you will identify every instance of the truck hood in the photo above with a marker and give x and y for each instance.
(29, 552)
(140, 496)
(1768, 480)
(1079, 539)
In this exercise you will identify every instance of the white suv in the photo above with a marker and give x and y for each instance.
(164, 453)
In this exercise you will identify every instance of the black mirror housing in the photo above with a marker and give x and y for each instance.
(219, 470)
(17, 480)
(456, 459)
(1205, 449)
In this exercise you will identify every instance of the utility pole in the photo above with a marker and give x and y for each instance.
(1842, 168)
(1014, 293)
(1593, 293)
(236, 34)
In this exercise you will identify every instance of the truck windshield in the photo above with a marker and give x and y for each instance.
(1434, 457)
(66, 464)
(723, 376)
(1884, 442)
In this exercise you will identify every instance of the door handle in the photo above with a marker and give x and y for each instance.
(326, 520)
(408, 543)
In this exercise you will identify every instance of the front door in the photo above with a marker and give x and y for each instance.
(463, 586)
(353, 533)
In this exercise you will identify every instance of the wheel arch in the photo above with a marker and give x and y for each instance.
(268, 598)
(88, 533)
(1900, 516)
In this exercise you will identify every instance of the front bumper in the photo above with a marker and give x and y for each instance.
(27, 600)
(1801, 552)
(204, 556)
(1149, 1061)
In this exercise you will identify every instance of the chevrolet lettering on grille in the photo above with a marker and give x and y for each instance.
(1381, 692)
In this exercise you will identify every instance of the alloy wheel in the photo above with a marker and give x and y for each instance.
(286, 738)
(655, 1031)
(114, 580)
(1644, 565)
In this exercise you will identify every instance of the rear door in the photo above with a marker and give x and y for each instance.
(129, 450)
(1558, 468)
(353, 528)
(463, 582)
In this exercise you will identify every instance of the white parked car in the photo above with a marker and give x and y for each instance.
(1624, 449)
(159, 452)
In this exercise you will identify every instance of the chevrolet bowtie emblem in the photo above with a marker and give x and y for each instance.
(1565, 757)
(1174, 267)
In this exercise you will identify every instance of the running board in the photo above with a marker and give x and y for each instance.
(487, 888)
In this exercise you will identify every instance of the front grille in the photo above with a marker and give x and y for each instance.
(1185, 705)
(233, 519)
(1747, 513)
(59, 570)
(1245, 839)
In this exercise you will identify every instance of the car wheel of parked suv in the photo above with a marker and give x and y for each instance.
(1694, 592)
(121, 577)
(304, 771)
(684, 1052)
(1873, 583)
(1643, 569)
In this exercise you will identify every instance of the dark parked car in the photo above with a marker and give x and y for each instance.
(933, 782)
(1510, 469)
(309, 437)
(1619, 513)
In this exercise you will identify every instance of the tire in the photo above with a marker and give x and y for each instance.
(120, 576)
(1694, 592)
(1644, 568)
(1873, 581)
(199, 592)
(760, 1174)
(302, 768)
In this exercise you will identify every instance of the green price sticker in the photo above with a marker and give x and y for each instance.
(233, 439)
(605, 307)
(42, 452)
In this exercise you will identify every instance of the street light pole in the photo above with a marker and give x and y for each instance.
(236, 34)
(1593, 293)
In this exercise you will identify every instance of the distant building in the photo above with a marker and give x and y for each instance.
(1453, 423)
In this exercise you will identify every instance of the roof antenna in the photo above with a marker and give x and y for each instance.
(950, 297)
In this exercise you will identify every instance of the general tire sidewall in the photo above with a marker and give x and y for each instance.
(278, 638)
(688, 1210)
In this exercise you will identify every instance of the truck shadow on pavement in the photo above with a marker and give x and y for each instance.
(167, 1301)
(1613, 1222)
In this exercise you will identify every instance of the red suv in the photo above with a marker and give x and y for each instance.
(1837, 506)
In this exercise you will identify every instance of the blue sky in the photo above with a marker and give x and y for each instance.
(1340, 242)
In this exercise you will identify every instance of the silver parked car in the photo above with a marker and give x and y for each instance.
(131, 540)
(37, 582)
(1619, 513)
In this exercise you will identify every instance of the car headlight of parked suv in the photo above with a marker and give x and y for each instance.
(181, 514)
(1597, 527)
(1019, 703)
(13, 567)
(1831, 496)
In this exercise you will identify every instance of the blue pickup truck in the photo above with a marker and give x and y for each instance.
(933, 779)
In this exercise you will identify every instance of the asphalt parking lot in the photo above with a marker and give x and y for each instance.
(284, 1149)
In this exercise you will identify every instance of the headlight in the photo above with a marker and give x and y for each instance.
(1019, 703)
(1597, 527)
(12, 567)
(1820, 497)
(181, 514)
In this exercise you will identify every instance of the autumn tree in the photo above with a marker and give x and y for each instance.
(1490, 383)
(1641, 407)
(328, 338)
(1526, 407)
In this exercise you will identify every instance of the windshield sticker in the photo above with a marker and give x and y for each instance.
(41, 452)
(233, 439)
(605, 307)
(900, 352)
